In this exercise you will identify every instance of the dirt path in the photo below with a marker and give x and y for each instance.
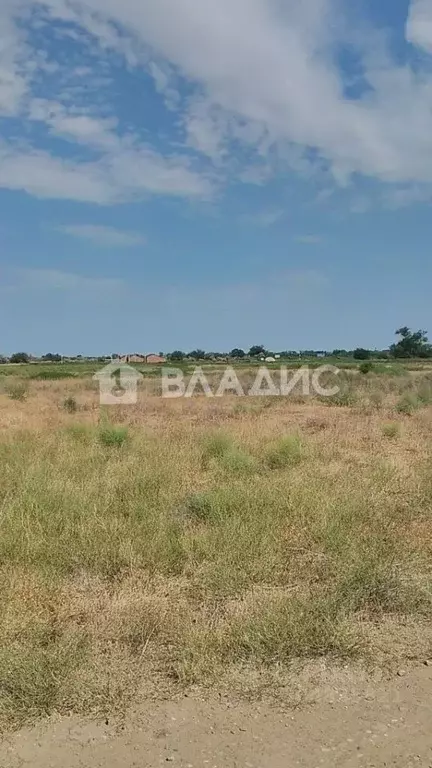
(375, 724)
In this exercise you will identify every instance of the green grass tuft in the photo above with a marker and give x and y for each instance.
(215, 445)
(112, 436)
(392, 430)
(17, 390)
(408, 403)
(238, 461)
(286, 452)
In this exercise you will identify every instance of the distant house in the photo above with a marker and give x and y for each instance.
(143, 359)
(135, 358)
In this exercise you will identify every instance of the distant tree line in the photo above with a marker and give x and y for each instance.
(409, 344)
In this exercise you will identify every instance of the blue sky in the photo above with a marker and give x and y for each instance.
(192, 173)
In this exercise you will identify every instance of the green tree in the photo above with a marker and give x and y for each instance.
(20, 357)
(237, 353)
(197, 354)
(256, 350)
(177, 355)
(411, 344)
(52, 358)
(362, 354)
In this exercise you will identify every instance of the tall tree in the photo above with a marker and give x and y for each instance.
(411, 344)
(362, 354)
(256, 350)
(20, 357)
(177, 355)
(52, 358)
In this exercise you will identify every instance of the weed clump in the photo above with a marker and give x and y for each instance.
(408, 403)
(200, 507)
(215, 446)
(17, 391)
(287, 452)
(112, 436)
(70, 405)
(391, 430)
(237, 461)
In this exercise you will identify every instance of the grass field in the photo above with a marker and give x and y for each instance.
(79, 370)
(218, 542)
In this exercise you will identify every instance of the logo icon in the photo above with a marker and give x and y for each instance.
(118, 384)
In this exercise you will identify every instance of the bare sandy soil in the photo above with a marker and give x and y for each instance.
(351, 720)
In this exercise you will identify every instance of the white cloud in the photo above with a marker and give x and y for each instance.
(165, 84)
(270, 65)
(265, 94)
(128, 171)
(45, 176)
(419, 26)
(13, 82)
(207, 128)
(119, 166)
(107, 237)
(75, 126)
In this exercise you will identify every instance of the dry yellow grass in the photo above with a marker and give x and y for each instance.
(197, 538)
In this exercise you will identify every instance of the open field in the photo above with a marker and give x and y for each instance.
(67, 370)
(153, 548)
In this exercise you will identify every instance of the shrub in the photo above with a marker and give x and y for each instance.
(70, 405)
(376, 399)
(215, 445)
(408, 403)
(391, 430)
(17, 391)
(236, 460)
(424, 392)
(111, 435)
(366, 367)
(286, 452)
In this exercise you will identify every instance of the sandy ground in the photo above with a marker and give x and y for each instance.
(352, 722)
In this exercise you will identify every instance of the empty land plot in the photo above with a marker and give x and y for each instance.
(199, 542)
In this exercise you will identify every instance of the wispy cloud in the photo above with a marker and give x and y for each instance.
(106, 237)
(54, 280)
(264, 218)
(129, 174)
(237, 117)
